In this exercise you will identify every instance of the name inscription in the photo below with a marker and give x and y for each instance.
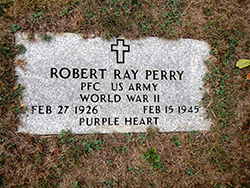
(85, 73)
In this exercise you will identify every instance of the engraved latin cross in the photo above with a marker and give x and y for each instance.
(120, 48)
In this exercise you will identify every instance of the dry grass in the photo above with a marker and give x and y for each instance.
(217, 158)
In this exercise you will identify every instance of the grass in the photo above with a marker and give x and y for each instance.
(216, 158)
(153, 158)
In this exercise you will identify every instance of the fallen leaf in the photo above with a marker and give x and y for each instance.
(242, 63)
(248, 76)
(15, 87)
(54, 153)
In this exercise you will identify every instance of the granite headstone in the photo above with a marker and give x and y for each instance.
(94, 85)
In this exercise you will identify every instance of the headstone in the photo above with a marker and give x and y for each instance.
(95, 85)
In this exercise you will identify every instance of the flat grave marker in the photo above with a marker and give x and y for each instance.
(95, 85)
